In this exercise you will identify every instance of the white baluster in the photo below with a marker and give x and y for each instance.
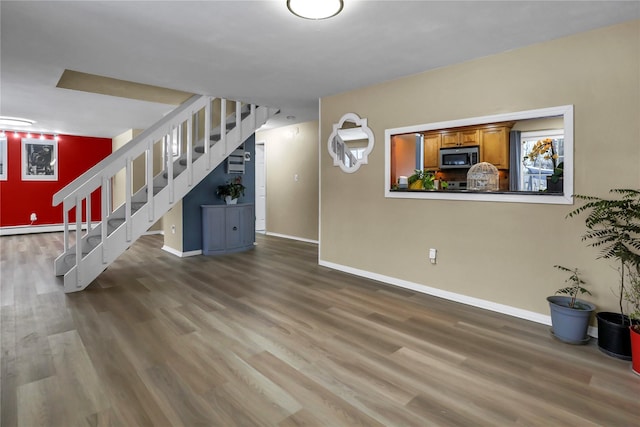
(253, 117)
(170, 164)
(223, 123)
(105, 214)
(207, 131)
(149, 165)
(88, 213)
(239, 120)
(190, 150)
(65, 218)
(127, 204)
(78, 239)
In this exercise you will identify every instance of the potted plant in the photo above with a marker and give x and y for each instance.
(613, 226)
(422, 180)
(231, 190)
(632, 295)
(569, 315)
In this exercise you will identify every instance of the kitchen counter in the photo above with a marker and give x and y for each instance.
(523, 193)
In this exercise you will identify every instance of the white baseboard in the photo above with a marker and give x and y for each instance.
(285, 236)
(451, 296)
(179, 253)
(31, 229)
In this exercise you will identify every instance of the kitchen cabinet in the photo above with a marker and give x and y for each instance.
(460, 138)
(227, 228)
(494, 146)
(432, 150)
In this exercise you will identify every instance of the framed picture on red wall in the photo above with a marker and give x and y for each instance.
(39, 159)
(3, 158)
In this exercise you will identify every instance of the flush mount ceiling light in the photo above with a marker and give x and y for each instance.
(315, 9)
(15, 121)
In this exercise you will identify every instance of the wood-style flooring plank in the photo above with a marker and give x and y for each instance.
(270, 338)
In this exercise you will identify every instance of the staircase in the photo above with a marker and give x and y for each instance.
(207, 129)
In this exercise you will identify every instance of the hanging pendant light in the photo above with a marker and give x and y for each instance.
(315, 9)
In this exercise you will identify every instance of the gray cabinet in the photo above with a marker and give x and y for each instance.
(227, 228)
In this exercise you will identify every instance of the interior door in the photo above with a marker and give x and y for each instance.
(261, 192)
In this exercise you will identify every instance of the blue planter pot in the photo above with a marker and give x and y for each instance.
(570, 325)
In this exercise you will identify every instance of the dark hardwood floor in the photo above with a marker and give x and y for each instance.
(269, 338)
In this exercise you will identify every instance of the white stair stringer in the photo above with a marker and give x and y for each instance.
(100, 247)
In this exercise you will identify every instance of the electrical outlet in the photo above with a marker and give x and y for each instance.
(33, 217)
(173, 229)
(432, 255)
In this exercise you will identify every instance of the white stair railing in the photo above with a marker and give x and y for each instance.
(84, 258)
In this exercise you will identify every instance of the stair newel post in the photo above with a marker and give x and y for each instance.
(78, 239)
(207, 131)
(149, 172)
(104, 204)
(223, 123)
(239, 120)
(127, 204)
(190, 149)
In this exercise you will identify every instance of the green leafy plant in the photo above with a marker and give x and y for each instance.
(613, 226)
(233, 188)
(425, 176)
(558, 172)
(575, 287)
(632, 295)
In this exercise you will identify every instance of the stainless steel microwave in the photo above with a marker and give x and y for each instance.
(459, 157)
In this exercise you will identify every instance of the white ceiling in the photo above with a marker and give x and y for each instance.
(252, 51)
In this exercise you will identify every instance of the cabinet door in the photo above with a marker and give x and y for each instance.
(213, 229)
(234, 227)
(495, 147)
(432, 150)
(470, 137)
(450, 139)
(248, 225)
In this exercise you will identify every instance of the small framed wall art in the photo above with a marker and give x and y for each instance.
(39, 159)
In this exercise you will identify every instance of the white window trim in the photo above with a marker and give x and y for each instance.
(566, 198)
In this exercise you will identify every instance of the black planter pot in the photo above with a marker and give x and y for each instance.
(613, 335)
(555, 187)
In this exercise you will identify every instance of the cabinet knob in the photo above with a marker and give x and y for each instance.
(235, 228)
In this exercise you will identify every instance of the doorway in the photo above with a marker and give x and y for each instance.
(261, 188)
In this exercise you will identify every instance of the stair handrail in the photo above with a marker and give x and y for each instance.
(92, 179)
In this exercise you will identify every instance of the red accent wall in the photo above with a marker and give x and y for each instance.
(18, 198)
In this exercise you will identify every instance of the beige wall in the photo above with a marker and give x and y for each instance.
(119, 179)
(138, 171)
(499, 252)
(173, 238)
(292, 206)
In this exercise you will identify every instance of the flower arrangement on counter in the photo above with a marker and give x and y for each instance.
(546, 149)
